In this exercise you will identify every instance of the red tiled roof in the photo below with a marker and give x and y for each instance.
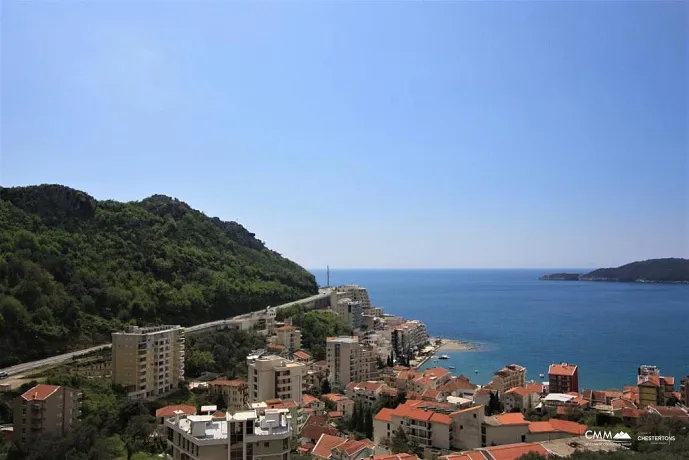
(521, 391)
(670, 412)
(275, 346)
(308, 399)
(431, 393)
(335, 414)
(400, 456)
(468, 409)
(325, 445)
(628, 412)
(323, 363)
(669, 380)
(562, 369)
(219, 414)
(389, 391)
(40, 392)
(556, 425)
(286, 327)
(621, 403)
(314, 431)
(514, 451)
(512, 418)
(441, 418)
(437, 372)
(457, 383)
(649, 380)
(306, 448)
(334, 397)
(228, 383)
(169, 411)
(384, 415)
(302, 355)
(631, 388)
(351, 447)
(474, 455)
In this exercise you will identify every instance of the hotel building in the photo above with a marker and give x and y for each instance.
(148, 361)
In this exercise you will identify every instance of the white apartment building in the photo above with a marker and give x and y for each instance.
(148, 361)
(350, 312)
(239, 436)
(262, 321)
(289, 337)
(273, 377)
(408, 335)
(349, 361)
(353, 292)
(510, 376)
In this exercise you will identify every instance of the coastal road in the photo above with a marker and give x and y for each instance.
(53, 360)
(58, 359)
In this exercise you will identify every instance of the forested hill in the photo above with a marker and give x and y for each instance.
(73, 269)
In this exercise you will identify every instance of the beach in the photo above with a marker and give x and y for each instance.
(456, 345)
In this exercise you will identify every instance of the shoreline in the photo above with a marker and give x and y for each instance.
(445, 345)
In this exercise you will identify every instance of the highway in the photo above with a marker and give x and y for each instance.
(59, 359)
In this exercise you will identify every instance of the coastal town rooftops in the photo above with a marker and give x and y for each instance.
(334, 397)
(352, 447)
(558, 398)
(511, 418)
(506, 452)
(670, 412)
(169, 411)
(555, 425)
(456, 384)
(563, 369)
(510, 369)
(302, 355)
(371, 386)
(401, 456)
(325, 444)
(40, 392)
(275, 421)
(344, 339)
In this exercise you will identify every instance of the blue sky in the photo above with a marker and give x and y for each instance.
(368, 134)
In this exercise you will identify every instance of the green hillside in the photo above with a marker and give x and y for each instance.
(670, 270)
(73, 269)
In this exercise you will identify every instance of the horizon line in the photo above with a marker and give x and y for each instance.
(448, 268)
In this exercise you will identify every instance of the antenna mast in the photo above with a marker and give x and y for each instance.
(328, 274)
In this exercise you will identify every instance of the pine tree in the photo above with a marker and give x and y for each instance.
(353, 422)
(361, 418)
(369, 424)
(325, 387)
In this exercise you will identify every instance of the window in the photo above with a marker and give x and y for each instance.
(266, 444)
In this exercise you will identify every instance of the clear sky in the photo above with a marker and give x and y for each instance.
(385, 134)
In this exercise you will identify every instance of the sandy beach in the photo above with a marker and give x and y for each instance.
(456, 345)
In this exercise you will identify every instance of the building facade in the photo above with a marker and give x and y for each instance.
(243, 435)
(148, 361)
(350, 291)
(45, 409)
(407, 336)
(274, 377)
(350, 312)
(510, 376)
(289, 337)
(235, 393)
(563, 378)
(349, 361)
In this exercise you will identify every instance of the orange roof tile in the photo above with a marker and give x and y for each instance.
(302, 355)
(308, 399)
(275, 346)
(562, 369)
(431, 393)
(169, 411)
(325, 445)
(219, 414)
(566, 426)
(511, 418)
(457, 383)
(628, 412)
(335, 414)
(334, 397)
(669, 380)
(521, 391)
(540, 427)
(621, 403)
(384, 415)
(351, 447)
(441, 418)
(514, 451)
(400, 456)
(40, 392)
(323, 363)
(286, 327)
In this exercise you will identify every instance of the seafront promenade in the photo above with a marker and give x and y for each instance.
(439, 345)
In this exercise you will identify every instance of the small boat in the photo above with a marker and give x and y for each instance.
(451, 367)
(444, 357)
(475, 371)
(541, 375)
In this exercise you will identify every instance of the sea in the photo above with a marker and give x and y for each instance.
(608, 329)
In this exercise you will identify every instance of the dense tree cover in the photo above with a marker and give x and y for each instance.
(316, 326)
(660, 270)
(73, 269)
(110, 426)
(221, 352)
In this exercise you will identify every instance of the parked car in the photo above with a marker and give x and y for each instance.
(4, 375)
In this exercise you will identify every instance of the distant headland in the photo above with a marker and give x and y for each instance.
(671, 270)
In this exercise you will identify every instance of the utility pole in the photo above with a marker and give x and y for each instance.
(328, 275)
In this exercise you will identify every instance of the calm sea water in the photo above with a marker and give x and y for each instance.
(608, 329)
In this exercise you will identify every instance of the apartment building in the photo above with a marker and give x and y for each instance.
(432, 425)
(522, 399)
(510, 376)
(349, 361)
(262, 321)
(274, 377)
(238, 436)
(563, 378)
(235, 393)
(45, 409)
(407, 336)
(289, 337)
(350, 312)
(367, 392)
(513, 428)
(148, 361)
(353, 292)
